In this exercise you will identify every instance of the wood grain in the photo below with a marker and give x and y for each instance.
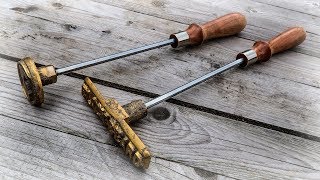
(288, 39)
(284, 92)
(227, 25)
(28, 151)
(271, 93)
(308, 7)
(206, 142)
(265, 18)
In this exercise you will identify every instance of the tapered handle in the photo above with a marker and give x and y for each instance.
(286, 40)
(226, 25)
(263, 50)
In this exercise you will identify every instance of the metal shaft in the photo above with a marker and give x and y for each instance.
(114, 56)
(189, 85)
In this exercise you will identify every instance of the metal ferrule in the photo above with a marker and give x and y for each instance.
(181, 39)
(249, 57)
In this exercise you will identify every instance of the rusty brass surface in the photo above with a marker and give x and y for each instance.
(114, 116)
(136, 110)
(47, 74)
(30, 81)
(33, 79)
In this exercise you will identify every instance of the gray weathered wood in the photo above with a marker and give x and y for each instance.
(309, 7)
(264, 17)
(206, 142)
(282, 92)
(28, 151)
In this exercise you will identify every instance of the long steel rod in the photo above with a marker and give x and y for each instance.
(189, 85)
(113, 56)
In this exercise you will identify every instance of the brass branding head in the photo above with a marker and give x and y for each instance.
(114, 117)
(33, 79)
(30, 81)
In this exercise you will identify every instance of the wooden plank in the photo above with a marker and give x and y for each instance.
(28, 151)
(204, 141)
(264, 17)
(271, 93)
(310, 7)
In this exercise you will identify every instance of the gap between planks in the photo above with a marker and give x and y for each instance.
(184, 140)
(29, 152)
(184, 104)
(282, 110)
(130, 6)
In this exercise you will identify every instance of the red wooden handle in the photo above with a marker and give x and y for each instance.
(286, 40)
(226, 25)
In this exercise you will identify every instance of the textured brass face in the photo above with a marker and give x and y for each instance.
(30, 81)
(114, 117)
(33, 79)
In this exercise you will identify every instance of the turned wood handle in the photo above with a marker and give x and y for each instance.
(226, 25)
(286, 40)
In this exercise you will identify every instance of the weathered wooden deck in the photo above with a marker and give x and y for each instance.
(258, 123)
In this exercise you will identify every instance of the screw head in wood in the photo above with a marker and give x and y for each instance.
(30, 81)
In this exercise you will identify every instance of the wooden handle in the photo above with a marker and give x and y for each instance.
(226, 25)
(286, 40)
